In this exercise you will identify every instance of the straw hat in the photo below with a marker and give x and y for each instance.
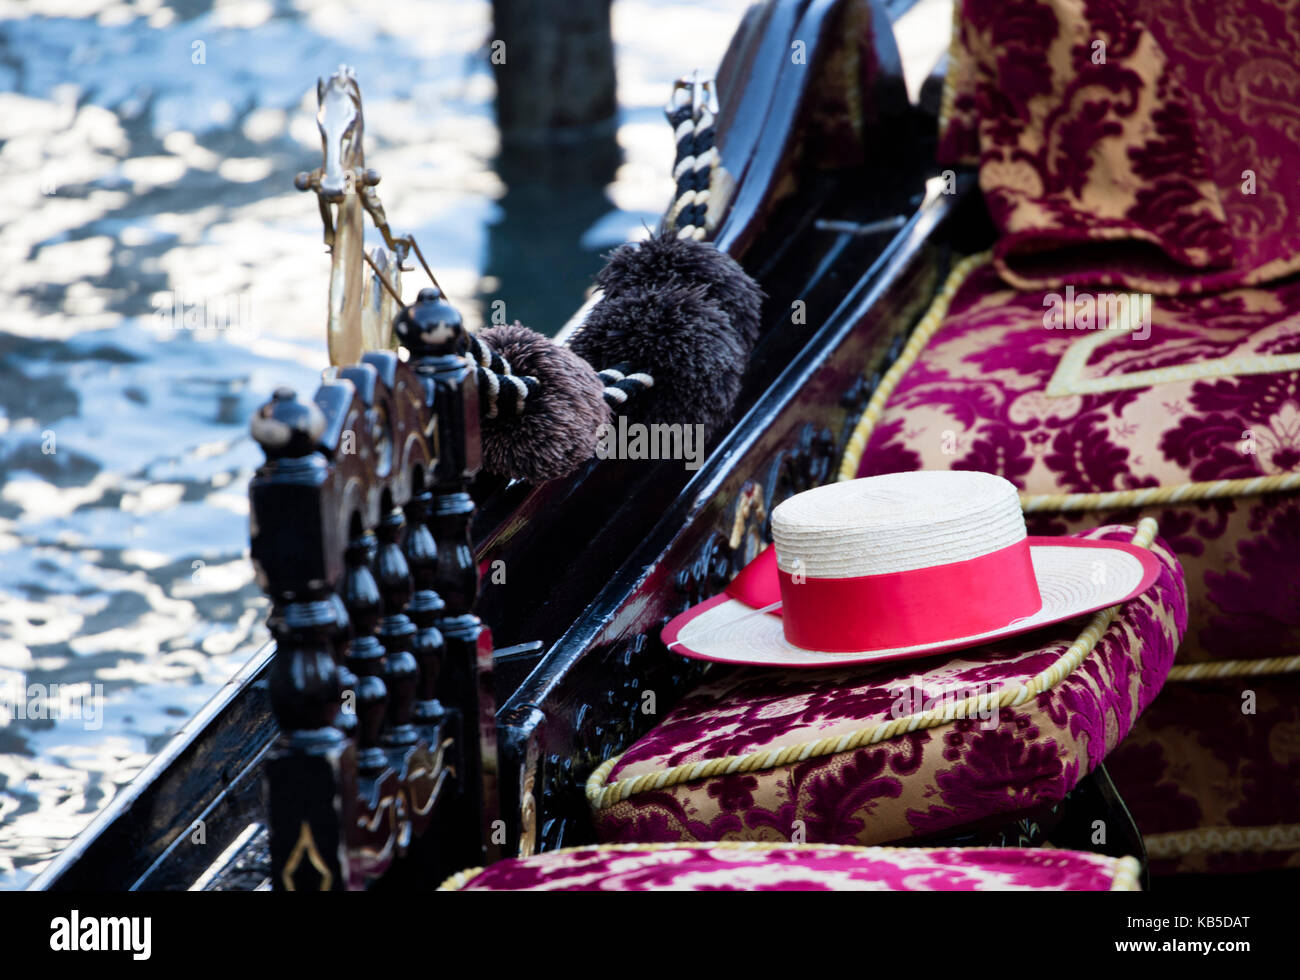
(903, 565)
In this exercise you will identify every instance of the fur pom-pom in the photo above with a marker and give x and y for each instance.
(562, 420)
(665, 261)
(682, 339)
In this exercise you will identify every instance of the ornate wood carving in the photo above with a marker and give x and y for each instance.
(360, 538)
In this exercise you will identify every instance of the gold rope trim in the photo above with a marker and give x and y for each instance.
(1127, 871)
(1234, 668)
(1179, 493)
(601, 795)
(460, 879)
(1180, 843)
(925, 329)
(1124, 870)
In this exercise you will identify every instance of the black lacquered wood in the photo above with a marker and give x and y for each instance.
(357, 682)
(435, 337)
(425, 608)
(609, 678)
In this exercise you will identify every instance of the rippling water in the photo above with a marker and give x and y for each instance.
(131, 170)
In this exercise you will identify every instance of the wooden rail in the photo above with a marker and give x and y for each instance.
(360, 537)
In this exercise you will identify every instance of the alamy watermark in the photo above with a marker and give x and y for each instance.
(1104, 311)
(660, 440)
(21, 701)
(180, 310)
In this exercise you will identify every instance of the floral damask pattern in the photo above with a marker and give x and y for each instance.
(1139, 143)
(1213, 393)
(1215, 754)
(804, 868)
(978, 398)
(1003, 764)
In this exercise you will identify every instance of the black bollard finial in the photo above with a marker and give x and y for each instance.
(285, 427)
(431, 326)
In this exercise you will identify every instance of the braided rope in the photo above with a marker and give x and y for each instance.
(1124, 876)
(622, 383)
(505, 394)
(1179, 843)
(680, 114)
(602, 795)
(1234, 668)
(1128, 873)
(925, 329)
(706, 158)
(484, 356)
(1172, 494)
(694, 125)
(460, 879)
(495, 377)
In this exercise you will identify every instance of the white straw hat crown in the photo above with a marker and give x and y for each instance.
(896, 523)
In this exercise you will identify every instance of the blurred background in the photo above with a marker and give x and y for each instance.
(147, 153)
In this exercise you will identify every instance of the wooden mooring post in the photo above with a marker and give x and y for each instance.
(554, 68)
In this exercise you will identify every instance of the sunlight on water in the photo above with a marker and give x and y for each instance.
(137, 174)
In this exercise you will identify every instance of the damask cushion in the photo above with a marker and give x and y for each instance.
(786, 867)
(1142, 143)
(1194, 420)
(1205, 405)
(898, 750)
(1213, 772)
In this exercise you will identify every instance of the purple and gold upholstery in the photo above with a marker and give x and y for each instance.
(1145, 144)
(1141, 145)
(787, 867)
(1187, 425)
(899, 750)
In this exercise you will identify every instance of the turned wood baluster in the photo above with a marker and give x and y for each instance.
(425, 608)
(311, 768)
(346, 719)
(374, 833)
(396, 633)
(365, 654)
(432, 331)
(412, 751)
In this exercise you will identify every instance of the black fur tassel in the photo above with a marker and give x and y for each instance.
(664, 261)
(680, 338)
(560, 426)
(682, 312)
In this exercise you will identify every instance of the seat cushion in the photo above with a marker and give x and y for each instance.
(1136, 143)
(1190, 425)
(789, 867)
(1196, 424)
(895, 751)
(1213, 772)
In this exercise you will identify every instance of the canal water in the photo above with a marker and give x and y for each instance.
(159, 276)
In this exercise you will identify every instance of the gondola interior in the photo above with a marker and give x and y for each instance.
(421, 719)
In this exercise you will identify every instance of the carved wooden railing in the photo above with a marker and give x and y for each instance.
(381, 681)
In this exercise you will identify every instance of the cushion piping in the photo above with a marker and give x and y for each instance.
(602, 795)
(1223, 840)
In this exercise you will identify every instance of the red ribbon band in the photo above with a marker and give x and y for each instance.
(895, 609)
